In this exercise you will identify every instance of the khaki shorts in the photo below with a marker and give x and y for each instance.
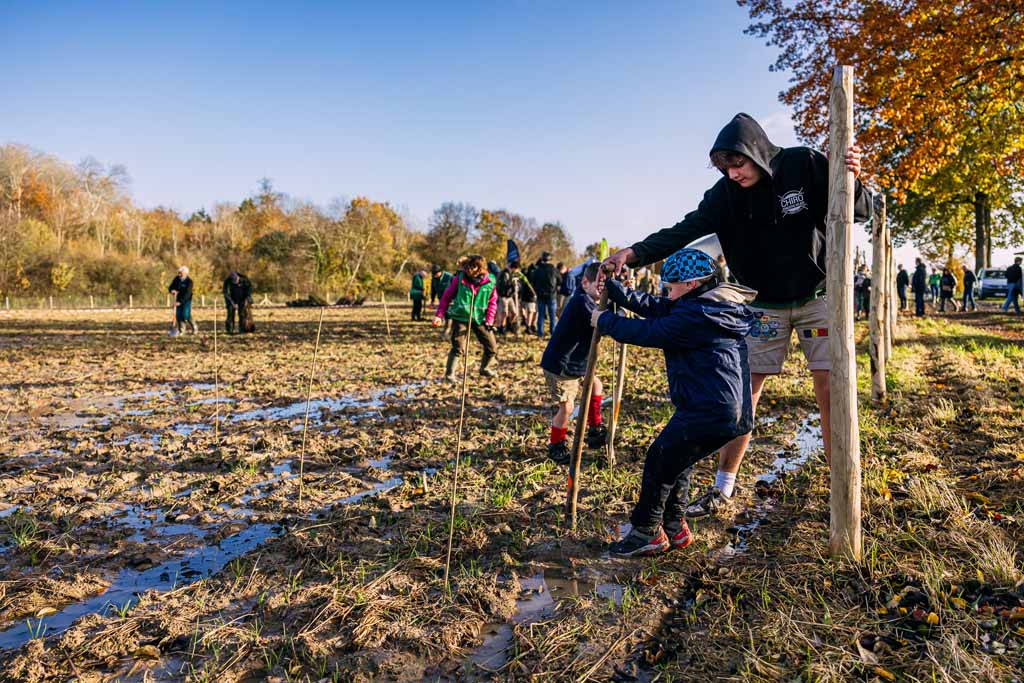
(530, 306)
(768, 342)
(561, 388)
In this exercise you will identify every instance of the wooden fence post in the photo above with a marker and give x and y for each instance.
(877, 318)
(893, 300)
(613, 424)
(844, 529)
(131, 302)
(51, 302)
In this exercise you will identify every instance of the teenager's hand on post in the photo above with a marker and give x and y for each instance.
(595, 316)
(436, 322)
(853, 161)
(618, 259)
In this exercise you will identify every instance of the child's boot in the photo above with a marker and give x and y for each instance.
(487, 366)
(559, 453)
(641, 543)
(597, 436)
(679, 534)
(449, 368)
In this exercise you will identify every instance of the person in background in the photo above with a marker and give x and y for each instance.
(902, 282)
(416, 292)
(933, 286)
(919, 285)
(969, 280)
(947, 291)
(528, 301)
(1013, 286)
(181, 288)
(545, 281)
(237, 299)
(439, 280)
(862, 292)
(470, 296)
(565, 362)
(565, 287)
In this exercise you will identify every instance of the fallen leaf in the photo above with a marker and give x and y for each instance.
(45, 612)
(147, 652)
(884, 673)
(933, 618)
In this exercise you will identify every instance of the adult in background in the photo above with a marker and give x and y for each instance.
(902, 282)
(436, 286)
(768, 211)
(969, 280)
(1013, 286)
(181, 288)
(528, 301)
(919, 285)
(416, 292)
(947, 291)
(862, 292)
(545, 281)
(934, 280)
(237, 299)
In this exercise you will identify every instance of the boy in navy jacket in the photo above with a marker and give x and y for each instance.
(565, 362)
(702, 327)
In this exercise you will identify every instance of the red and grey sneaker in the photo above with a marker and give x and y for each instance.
(639, 544)
(679, 536)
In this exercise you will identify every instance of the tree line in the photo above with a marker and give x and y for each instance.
(74, 230)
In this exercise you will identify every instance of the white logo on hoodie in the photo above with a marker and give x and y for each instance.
(793, 202)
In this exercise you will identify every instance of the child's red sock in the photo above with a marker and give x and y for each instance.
(594, 416)
(558, 434)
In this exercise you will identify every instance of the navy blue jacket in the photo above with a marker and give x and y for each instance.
(703, 336)
(569, 346)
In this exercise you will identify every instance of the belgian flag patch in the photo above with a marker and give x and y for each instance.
(815, 332)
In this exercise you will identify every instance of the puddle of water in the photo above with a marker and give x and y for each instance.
(540, 596)
(190, 427)
(806, 444)
(129, 583)
(375, 401)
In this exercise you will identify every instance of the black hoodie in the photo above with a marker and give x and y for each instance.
(772, 234)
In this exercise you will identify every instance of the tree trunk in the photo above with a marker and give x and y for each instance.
(988, 233)
(980, 200)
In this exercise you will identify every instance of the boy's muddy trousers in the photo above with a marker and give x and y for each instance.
(665, 488)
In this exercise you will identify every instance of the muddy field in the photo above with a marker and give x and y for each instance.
(154, 525)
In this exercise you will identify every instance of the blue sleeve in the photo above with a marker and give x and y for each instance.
(683, 328)
(641, 303)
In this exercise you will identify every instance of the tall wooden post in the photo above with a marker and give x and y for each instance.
(844, 530)
(878, 316)
(613, 424)
(893, 300)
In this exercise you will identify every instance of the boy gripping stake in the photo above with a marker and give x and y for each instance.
(565, 361)
(702, 327)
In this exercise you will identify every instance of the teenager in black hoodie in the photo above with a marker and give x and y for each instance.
(768, 211)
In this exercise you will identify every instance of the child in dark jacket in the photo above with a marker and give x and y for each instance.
(702, 327)
(564, 363)
(471, 295)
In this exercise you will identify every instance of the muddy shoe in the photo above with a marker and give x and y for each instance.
(639, 544)
(449, 369)
(679, 534)
(559, 453)
(597, 436)
(487, 368)
(711, 503)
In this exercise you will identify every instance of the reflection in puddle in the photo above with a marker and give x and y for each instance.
(374, 402)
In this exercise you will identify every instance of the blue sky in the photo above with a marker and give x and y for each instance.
(596, 114)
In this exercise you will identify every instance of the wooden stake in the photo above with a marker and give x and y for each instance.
(216, 379)
(581, 419)
(892, 299)
(309, 393)
(617, 390)
(845, 529)
(387, 321)
(877, 321)
(458, 439)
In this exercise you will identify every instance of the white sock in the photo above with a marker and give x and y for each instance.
(725, 482)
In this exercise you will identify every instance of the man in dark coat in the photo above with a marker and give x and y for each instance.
(768, 211)
(969, 279)
(902, 282)
(545, 281)
(237, 300)
(919, 285)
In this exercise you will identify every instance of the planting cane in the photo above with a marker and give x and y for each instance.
(309, 392)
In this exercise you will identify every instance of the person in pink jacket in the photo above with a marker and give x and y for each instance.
(470, 296)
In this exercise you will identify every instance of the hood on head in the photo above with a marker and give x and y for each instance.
(745, 135)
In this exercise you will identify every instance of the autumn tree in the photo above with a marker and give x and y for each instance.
(491, 235)
(449, 233)
(939, 93)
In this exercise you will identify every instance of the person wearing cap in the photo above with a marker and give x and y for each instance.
(768, 211)
(702, 327)
(181, 288)
(545, 280)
